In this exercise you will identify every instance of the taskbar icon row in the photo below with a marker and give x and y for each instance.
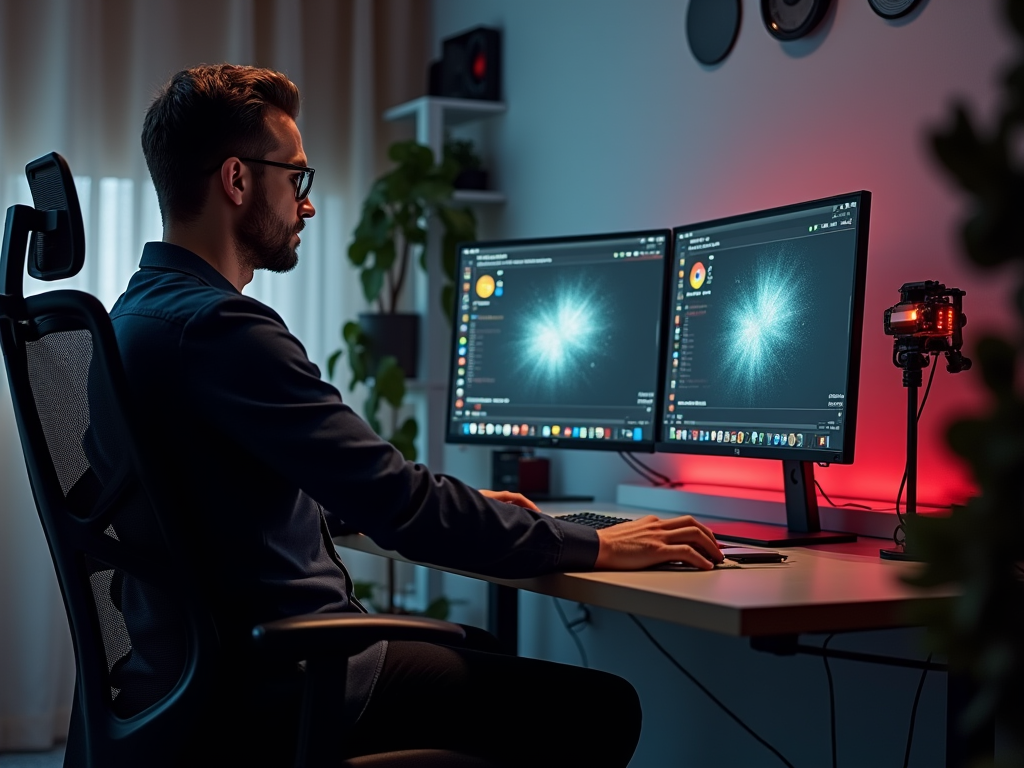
(558, 431)
(746, 437)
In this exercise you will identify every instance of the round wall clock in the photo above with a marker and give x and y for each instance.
(893, 9)
(790, 19)
(711, 28)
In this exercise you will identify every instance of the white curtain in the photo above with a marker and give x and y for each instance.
(76, 76)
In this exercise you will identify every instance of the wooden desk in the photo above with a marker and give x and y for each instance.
(837, 588)
(817, 590)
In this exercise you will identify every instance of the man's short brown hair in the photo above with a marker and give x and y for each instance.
(203, 116)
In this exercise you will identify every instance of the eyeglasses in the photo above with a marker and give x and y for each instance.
(303, 182)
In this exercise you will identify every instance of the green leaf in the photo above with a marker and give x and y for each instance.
(390, 381)
(359, 249)
(353, 334)
(439, 608)
(373, 281)
(432, 191)
(363, 590)
(371, 408)
(385, 257)
(404, 444)
(409, 429)
(332, 362)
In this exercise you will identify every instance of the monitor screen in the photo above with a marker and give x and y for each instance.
(556, 341)
(763, 333)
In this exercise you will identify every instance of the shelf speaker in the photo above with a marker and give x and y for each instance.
(470, 66)
(790, 19)
(893, 9)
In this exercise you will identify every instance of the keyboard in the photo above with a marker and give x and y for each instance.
(592, 519)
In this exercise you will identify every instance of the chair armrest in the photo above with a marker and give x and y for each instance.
(331, 634)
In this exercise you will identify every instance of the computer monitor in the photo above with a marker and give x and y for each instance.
(557, 342)
(762, 351)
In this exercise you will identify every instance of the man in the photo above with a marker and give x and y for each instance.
(267, 459)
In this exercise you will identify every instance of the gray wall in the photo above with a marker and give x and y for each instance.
(613, 125)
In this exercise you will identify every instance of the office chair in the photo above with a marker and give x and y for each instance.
(147, 648)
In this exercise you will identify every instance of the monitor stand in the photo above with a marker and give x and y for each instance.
(802, 524)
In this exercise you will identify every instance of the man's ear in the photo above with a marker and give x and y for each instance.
(234, 179)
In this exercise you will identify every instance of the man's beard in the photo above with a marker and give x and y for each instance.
(264, 240)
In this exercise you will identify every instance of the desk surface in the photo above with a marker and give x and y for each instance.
(819, 589)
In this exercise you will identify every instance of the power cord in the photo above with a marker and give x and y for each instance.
(913, 711)
(848, 504)
(648, 473)
(903, 482)
(571, 627)
(708, 693)
(831, 696)
(832, 703)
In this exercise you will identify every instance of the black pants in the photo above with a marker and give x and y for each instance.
(509, 710)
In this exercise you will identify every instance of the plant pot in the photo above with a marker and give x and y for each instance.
(396, 334)
(471, 178)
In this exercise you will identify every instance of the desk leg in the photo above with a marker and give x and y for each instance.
(503, 616)
(961, 749)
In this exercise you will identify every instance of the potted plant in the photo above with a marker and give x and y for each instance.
(383, 345)
(461, 153)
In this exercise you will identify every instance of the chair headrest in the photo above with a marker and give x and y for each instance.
(57, 249)
(59, 252)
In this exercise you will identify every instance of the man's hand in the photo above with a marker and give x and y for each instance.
(651, 540)
(510, 498)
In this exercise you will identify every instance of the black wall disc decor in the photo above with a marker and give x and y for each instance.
(893, 9)
(711, 28)
(790, 19)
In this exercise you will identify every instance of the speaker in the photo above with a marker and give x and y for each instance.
(470, 66)
(791, 19)
(893, 9)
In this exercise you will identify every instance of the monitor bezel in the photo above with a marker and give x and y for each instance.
(631, 446)
(845, 455)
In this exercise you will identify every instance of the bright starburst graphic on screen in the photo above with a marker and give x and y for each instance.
(560, 338)
(766, 325)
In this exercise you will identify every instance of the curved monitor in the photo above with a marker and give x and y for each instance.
(764, 327)
(557, 341)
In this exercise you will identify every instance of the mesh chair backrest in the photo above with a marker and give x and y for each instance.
(137, 619)
(142, 633)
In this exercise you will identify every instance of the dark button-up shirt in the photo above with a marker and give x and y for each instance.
(262, 451)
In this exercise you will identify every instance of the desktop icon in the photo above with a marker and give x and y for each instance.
(791, 440)
(489, 429)
(739, 437)
(556, 430)
(599, 433)
(485, 286)
(638, 434)
(515, 430)
(697, 275)
(800, 440)
(671, 433)
(506, 430)
(545, 431)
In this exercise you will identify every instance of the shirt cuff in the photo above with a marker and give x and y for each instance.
(579, 547)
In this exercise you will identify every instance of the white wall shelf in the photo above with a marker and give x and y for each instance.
(478, 197)
(429, 393)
